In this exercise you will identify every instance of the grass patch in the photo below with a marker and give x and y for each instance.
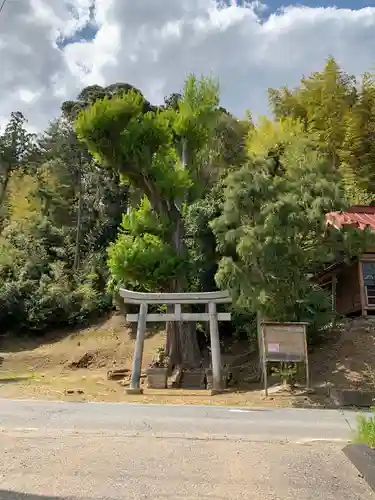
(366, 430)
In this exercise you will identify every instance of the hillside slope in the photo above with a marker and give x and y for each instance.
(347, 360)
(42, 370)
(31, 368)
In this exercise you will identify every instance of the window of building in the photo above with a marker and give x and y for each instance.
(368, 269)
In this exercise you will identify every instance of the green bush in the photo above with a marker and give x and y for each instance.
(366, 430)
(38, 288)
(144, 262)
(141, 257)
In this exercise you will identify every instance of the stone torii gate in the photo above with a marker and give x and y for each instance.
(177, 299)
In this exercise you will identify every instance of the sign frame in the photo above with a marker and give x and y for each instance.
(276, 354)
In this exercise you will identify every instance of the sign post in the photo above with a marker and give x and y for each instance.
(283, 342)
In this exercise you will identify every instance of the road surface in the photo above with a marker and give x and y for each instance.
(91, 451)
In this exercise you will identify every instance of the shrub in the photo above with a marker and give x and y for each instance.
(366, 429)
(38, 288)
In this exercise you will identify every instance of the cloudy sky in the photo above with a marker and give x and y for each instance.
(50, 49)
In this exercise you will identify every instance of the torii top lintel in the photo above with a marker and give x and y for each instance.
(130, 297)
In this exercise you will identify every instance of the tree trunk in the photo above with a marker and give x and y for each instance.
(172, 343)
(182, 345)
(79, 223)
(181, 342)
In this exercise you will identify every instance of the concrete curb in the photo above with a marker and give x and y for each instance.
(363, 458)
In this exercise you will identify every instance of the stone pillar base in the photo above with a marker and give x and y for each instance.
(134, 391)
(214, 392)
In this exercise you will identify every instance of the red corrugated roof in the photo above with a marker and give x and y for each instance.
(359, 216)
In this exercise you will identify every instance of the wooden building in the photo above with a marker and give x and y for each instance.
(352, 284)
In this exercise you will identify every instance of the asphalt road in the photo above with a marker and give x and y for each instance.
(112, 451)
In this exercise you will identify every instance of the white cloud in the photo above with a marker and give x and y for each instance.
(32, 66)
(154, 44)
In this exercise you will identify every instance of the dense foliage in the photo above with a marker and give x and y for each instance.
(273, 238)
(183, 196)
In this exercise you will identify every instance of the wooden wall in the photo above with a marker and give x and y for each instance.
(348, 294)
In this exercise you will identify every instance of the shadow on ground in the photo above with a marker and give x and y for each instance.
(15, 495)
(13, 380)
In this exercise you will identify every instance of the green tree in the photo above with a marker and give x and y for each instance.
(17, 147)
(273, 237)
(270, 137)
(65, 150)
(321, 103)
(79, 193)
(141, 257)
(200, 240)
(358, 149)
(159, 153)
(286, 103)
(38, 289)
(92, 93)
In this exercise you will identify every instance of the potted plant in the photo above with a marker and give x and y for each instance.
(287, 373)
(157, 372)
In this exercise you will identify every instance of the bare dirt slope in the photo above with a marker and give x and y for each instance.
(347, 360)
(32, 369)
(111, 339)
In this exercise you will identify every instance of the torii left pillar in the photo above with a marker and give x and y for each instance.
(135, 381)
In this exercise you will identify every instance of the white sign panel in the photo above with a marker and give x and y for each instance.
(273, 347)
